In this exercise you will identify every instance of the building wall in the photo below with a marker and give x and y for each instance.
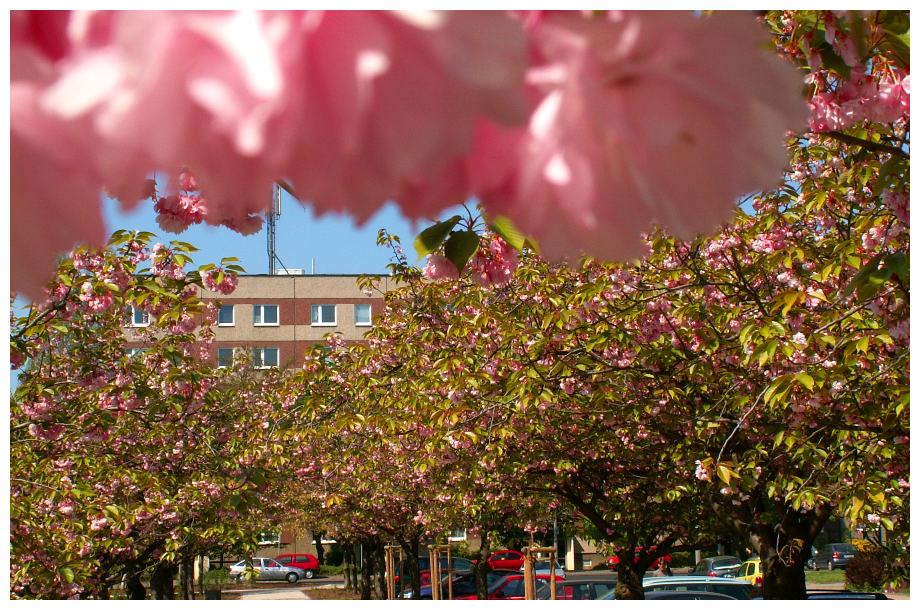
(295, 296)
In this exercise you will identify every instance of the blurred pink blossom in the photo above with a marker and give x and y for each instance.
(440, 268)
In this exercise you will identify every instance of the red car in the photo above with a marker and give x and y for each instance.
(506, 559)
(614, 561)
(306, 562)
(512, 587)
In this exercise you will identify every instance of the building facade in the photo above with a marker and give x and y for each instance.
(277, 318)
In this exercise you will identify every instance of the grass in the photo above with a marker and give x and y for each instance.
(824, 577)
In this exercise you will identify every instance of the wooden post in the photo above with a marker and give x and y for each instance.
(435, 572)
(530, 588)
(529, 592)
(450, 575)
(390, 561)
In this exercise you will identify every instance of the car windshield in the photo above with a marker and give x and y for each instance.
(846, 548)
(725, 563)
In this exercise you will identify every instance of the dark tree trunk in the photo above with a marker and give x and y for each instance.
(784, 547)
(348, 560)
(629, 580)
(186, 578)
(410, 579)
(482, 566)
(134, 586)
(318, 543)
(161, 581)
(379, 570)
(365, 587)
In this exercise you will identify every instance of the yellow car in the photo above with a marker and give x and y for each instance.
(750, 571)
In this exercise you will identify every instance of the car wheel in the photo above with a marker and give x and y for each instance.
(830, 565)
(308, 574)
(292, 577)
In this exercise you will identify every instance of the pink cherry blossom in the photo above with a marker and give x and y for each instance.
(440, 268)
(638, 119)
(351, 107)
(494, 262)
(225, 286)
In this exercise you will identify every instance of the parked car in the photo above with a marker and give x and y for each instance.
(306, 562)
(583, 586)
(835, 555)
(750, 571)
(506, 559)
(512, 587)
(687, 595)
(267, 569)
(613, 561)
(739, 589)
(464, 586)
(461, 564)
(541, 566)
(721, 565)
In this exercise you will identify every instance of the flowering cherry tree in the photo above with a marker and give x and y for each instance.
(584, 128)
(128, 459)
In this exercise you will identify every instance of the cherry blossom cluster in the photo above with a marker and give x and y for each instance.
(566, 122)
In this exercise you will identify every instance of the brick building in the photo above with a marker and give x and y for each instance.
(278, 317)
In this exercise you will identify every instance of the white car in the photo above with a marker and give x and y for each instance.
(266, 568)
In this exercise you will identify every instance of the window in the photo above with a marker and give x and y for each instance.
(139, 317)
(285, 560)
(266, 538)
(322, 315)
(265, 315)
(224, 357)
(225, 316)
(363, 314)
(265, 357)
(457, 535)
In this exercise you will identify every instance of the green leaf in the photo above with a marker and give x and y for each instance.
(431, 238)
(832, 61)
(806, 380)
(505, 228)
(68, 575)
(900, 265)
(460, 247)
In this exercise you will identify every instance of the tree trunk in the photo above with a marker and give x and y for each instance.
(482, 566)
(365, 587)
(378, 567)
(133, 585)
(784, 547)
(409, 576)
(186, 578)
(318, 543)
(347, 562)
(161, 581)
(629, 580)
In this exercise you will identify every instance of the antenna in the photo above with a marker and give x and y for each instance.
(273, 214)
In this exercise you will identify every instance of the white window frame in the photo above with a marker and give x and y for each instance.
(134, 322)
(452, 538)
(370, 314)
(335, 314)
(232, 355)
(275, 542)
(260, 307)
(262, 358)
(232, 321)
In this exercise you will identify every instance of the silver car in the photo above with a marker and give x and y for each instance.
(266, 568)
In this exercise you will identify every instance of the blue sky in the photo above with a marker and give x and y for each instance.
(333, 241)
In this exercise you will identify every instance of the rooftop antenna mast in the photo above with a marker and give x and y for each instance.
(273, 215)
